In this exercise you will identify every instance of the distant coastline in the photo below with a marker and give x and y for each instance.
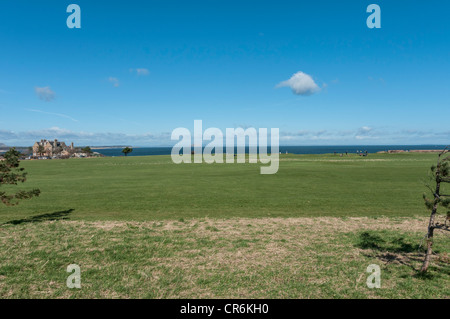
(109, 147)
(412, 151)
(147, 151)
(116, 150)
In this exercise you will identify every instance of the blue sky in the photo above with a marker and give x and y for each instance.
(136, 70)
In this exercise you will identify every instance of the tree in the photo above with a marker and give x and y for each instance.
(87, 150)
(127, 150)
(440, 174)
(58, 150)
(11, 174)
(41, 150)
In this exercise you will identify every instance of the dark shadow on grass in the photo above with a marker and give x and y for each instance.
(61, 215)
(389, 248)
(376, 241)
(394, 248)
(370, 241)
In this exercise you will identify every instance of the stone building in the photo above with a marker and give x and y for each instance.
(51, 148)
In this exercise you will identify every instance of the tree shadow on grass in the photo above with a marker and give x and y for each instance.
(395, 248)
(389, 248)
(61, 215)
(371, 240)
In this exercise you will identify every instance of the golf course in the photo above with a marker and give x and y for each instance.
(144, 227)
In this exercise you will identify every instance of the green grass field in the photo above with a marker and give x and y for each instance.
(143, 227)
(147, 188)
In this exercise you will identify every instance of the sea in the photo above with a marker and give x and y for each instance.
(146, 151)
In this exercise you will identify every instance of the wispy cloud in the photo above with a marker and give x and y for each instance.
(370, 78)
(55, 114)
(301, 84)
(365, 134)
(114, 81)
(84, 138)
(362, 135)
(140, 71)
(45, 93)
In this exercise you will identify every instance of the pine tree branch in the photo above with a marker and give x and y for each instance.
(442, 227)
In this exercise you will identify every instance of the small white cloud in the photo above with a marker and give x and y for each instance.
(45, 93)
(301, 84)
(366, 137)
(114, 81)
(141, 71)
(365, 132)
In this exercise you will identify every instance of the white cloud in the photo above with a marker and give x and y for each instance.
(365, 129)
(334, 136)
(303, 137)
(140, 71)
(114, 81)
(365, 134)
(301, 84)
(366, 137)
(45, 93)
(83, 138)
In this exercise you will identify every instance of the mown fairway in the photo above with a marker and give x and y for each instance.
(148, 188)
(142, 227)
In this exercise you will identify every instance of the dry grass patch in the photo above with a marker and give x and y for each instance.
(319, 257)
